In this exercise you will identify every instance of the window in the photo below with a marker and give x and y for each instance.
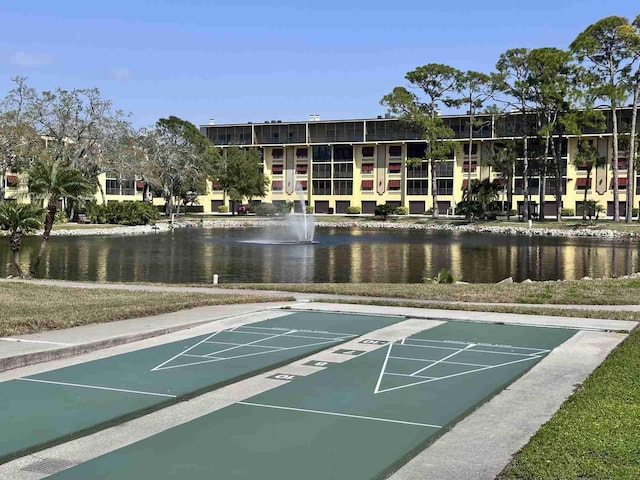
(128, 187)
(343, 170)
(321, 153)
(444, 169)
(216, 186)
(367, 168)
(368, 152)
(302, 169)
(321, 171)
(321, 187)
(342, 187)
(366, 185)
(276, 186)
(395, 167)
(113, 187)
(469, 166)
(302, 152)
(474, 149)
(342, 153)
(445, 186)
(394, 184)
(417, 187)
(277, 152)
(395, 151)
(622, 183)
(303, 185)
(420, 171)
(416, 150)
(12, 181)
(276, 169)
(582, 184)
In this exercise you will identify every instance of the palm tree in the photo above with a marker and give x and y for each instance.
(50, 180)
(18, 219)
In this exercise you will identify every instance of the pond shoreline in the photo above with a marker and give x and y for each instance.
(376, 225)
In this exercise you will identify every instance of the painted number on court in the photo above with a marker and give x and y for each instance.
(371, 341)
(283, 376)
(353, 353)
(319, 363)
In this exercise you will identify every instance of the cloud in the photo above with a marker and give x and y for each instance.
(31, 60)
(121, 74)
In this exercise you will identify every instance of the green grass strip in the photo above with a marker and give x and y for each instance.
(580, 292)
(35, 308)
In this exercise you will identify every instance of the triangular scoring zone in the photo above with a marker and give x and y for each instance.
(420, 376)
(304, 338)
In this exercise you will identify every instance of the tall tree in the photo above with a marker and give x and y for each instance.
(19, 219)
(176, 157)
(50, 180)
(435, 82)
(552, 76)
(634, 87)
(604, 46)
(474, 89)
(513, 67)
(503, 161)
(587, 157)
(241, 175)
(19, 141)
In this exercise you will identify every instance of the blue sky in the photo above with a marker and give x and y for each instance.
(250, 60)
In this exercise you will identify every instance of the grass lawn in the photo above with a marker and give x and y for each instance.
(593, 292)
(596, 432)
(35, 308)
(548, 311)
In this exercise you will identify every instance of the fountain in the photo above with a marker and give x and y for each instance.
(299, 226)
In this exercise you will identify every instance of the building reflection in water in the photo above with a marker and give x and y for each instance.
(194, 255)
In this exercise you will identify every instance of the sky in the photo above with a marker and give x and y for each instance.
(239, 61)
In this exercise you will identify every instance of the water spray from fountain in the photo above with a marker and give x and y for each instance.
(301, 226)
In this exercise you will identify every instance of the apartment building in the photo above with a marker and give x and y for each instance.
(342, 163)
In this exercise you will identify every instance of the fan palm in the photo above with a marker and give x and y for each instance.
(18, 219)
(50, 180)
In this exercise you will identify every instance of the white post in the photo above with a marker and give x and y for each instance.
(215, 278)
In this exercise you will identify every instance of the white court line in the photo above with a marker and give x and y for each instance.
(471, 345)
(384, 365)
(457, 374)
(301, 330)
(292, 336)
(95, 387)
(187, 350)
(245, 355)
(480, 344)
(336, 414)
(196, 356)
(448, 363)
(407, 375)
(19, 340)
(242, 345)
(479, 351)
(252, 343)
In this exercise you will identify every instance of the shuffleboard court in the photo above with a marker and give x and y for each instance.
(360, 419)
(55, 406)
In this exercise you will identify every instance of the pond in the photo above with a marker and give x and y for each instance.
(194, 255)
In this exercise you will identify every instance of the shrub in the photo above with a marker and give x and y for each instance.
(61, 217)
(634, 212)
(353, 210)
(383, 211)
(568, 212)
(267, 210)
(309, 209)
(123, 213)
(192, 208)
(402, 211)
(443, 276)
(428, 211)
(223, 209)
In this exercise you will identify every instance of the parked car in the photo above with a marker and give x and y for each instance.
(243, 209)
